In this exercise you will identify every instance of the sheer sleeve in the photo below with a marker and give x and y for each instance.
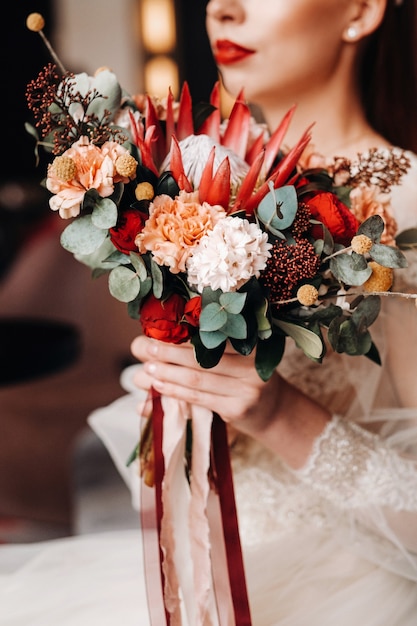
(373, 484)
(355, 468)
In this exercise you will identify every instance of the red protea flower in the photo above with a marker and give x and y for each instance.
(235, 158)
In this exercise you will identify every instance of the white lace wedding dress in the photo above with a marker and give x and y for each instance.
(332, 544)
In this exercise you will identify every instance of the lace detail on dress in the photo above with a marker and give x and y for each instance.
(270, 499)
(354, 468)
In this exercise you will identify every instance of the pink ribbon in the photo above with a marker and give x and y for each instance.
(196, 528)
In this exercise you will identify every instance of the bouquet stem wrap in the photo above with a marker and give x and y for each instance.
(197, 539)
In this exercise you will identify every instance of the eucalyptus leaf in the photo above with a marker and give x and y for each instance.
(359, 262)
(139, 265)
(345, 338)
(157, 280)
(145, 287)
(133, 308)
(372, 228)
(124, 284)
(343, 268)
(388, 256)
(407, 239)
(326, 314)
(212, 317)
(209, 295)
(233, 302)
(81, 237)
(278, 208)
(116, 258)
(366, 312)
(310, 343)
(235, 326)
(212, 339)
(105, 258)
(104, 214)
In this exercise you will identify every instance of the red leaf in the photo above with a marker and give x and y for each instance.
(219, 191)
(274, 143)
(177, 166)
(207, 177)
(170, 123)
(211, 125)
(237, 132)
(249, 182)
(185, 124)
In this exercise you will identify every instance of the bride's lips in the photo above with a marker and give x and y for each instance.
(226, 52)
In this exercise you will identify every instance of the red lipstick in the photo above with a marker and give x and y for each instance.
(226, 52)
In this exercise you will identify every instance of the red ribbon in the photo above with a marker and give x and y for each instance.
(159, 470)
(220, 459)
(224, 483)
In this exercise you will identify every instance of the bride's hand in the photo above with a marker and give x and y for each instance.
(233, 388)
(273, 412)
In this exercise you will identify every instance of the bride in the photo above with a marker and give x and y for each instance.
(324, 456)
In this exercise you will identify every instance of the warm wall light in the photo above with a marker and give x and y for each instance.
(158, 26)
(157, 32)
(161, 72)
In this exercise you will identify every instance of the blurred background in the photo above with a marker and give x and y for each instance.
(63, 339)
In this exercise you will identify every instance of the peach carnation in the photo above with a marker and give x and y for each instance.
(174, 228)
(369, 200)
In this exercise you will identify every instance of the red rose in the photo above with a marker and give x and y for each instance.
(336, 216)
(192, 311)
(162, 319)
(129, 225)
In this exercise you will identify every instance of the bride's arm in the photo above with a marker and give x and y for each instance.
(354, 469)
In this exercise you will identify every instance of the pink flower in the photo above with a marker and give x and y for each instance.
(367, 200)
(93, 170)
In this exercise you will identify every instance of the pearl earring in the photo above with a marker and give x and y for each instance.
(351, 32)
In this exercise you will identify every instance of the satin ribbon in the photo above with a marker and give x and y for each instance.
(224, 482)
(151, 516)
(191, 578)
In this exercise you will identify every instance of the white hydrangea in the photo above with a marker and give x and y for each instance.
(228, 256)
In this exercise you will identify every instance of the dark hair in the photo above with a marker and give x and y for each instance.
(389, 75)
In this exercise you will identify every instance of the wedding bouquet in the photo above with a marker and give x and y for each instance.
(214, 231)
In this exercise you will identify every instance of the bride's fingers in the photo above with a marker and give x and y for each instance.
(229, 407)
(231, 364)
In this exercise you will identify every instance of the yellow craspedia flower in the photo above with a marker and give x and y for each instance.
(307, 295)
(35, 22)
(64, 168)
(381, 278)
(361, 244)
(126, 165)
(144, 191)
